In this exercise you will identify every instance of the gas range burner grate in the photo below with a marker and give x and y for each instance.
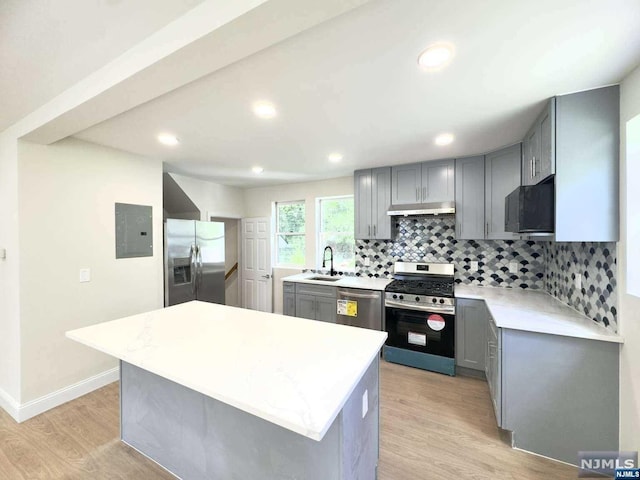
(431, 287)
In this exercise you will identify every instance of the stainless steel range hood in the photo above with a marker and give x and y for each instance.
(438, 208)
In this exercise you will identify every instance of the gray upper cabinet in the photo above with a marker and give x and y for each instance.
(587, 166)
(502, 176)
(406, 181)
(471, 333)
(423, 182)
(372, 193)
(470, 198)
(538, 159)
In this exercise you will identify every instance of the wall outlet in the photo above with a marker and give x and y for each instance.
(367, 262)
(365, 403)
(474, 266)
(513, 267)
(85, 275)
(578, 281)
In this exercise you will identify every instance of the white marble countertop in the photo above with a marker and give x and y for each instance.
(293, 372)
(536, 311)
(366, 283)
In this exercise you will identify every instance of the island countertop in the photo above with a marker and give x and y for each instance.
(293, 372)
(536, 311)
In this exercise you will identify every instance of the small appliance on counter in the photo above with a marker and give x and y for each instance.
(420, 316)
(530, 209)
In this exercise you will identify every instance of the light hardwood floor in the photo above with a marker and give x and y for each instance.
(432, 427)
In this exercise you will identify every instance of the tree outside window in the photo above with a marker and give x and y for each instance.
(335, 229)
(290, 244)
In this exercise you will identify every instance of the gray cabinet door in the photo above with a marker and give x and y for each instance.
(493, 368)
(470, 198)
(471, 333)
(380, 200)
(362, 188)
(531, 155)
(587, 157)
(326, 309)
(289, 304)
(406, 184)
(438, 181)
(306, 306)
(502, 176)
(547, 125)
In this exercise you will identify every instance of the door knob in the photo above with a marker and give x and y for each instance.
(267, 276)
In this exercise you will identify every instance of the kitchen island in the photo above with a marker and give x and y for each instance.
(210, 391)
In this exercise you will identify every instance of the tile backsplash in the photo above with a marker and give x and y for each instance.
(541, 265)
(596, 263)
(432, 239)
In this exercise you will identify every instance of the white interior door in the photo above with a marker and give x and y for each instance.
(257, 282)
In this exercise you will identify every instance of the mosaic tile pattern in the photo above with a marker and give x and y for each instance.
(432, 239)
(597, 263)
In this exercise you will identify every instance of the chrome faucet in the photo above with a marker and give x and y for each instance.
(332, 272)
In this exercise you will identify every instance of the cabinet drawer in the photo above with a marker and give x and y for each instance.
(317, 290)
(288, 287)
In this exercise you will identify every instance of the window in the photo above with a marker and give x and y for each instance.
(290, 233)
(335, 229)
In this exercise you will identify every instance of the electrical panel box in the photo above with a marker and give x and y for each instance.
(134, 230)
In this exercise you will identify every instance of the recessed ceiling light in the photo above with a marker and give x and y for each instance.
(444, 139)
(264, 109)
(335, 157)
(168, 139)
(436, 56)
(257, 170)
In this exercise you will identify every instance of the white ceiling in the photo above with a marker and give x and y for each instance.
(352, 85)
(46, 46)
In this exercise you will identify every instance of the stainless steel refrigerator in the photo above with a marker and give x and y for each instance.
(194, 261)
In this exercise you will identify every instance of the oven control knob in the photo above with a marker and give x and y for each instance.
(434, 300)
(442, 300)
(395, 296)
(417, 299)
(401, 297)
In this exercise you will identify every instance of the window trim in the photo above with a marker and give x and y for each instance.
(277, 233)
(319, 246)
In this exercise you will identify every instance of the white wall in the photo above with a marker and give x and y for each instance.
(9, 276)
(629, 304)
(211, 198)
(67, 193)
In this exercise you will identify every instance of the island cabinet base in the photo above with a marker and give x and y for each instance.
(197, 437)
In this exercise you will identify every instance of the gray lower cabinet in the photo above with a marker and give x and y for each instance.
(558, 395)
(372, 194)
(470, 198)
(502, 176)
(316, 302)
(471, 333)
(423, 182)
(289, 299)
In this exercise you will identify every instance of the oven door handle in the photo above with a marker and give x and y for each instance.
(419, 308)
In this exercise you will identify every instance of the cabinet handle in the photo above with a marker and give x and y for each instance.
(417, 194)
(486, 229)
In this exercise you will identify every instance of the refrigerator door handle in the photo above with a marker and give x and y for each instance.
(198, 267)
(193, 267)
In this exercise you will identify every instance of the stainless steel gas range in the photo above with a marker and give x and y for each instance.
(420, 316)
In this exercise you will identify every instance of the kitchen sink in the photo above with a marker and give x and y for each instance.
(325, 279)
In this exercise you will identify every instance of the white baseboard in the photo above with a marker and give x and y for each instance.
(9, 404)
(40, 405)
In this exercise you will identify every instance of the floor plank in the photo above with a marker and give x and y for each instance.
(432, 427)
